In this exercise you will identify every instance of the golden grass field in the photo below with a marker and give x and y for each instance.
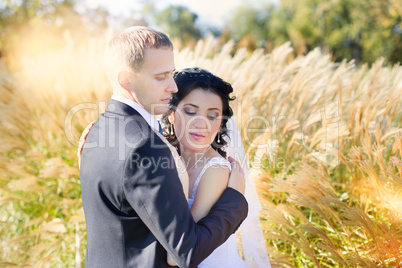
(326, 156)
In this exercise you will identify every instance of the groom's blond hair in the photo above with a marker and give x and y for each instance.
(126, 49)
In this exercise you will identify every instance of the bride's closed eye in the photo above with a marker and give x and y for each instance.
(212, 116)
(189, 112)
(209, 116)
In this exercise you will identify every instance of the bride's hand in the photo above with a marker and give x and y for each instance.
(82, 140)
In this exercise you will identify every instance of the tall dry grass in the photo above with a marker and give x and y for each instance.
(323, 139)
(326, 156)
(42, 222)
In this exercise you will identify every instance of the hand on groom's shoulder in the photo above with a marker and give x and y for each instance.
(236, 179)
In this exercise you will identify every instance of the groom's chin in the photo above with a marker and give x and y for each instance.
(160, 110)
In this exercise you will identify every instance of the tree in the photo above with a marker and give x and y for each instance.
(351, 29)
(178, 22)
(249, 25)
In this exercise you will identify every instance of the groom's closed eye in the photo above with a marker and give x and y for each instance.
(163, 76)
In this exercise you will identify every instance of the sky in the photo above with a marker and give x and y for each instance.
(210, 12)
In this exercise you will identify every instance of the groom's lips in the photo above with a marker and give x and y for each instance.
(197, 136)
(166, 100)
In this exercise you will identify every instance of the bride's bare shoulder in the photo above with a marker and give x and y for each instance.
(217, 167)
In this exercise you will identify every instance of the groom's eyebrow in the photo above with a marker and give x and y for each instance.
(165, 73)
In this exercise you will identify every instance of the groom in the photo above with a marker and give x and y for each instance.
(134, 204)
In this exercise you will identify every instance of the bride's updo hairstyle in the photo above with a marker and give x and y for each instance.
(190, 79)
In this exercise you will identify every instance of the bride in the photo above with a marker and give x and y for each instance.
(199, 124)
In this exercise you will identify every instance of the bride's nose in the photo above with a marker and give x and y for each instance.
(200, 123)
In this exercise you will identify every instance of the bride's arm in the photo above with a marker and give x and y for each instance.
(213, 183)
(82, 141)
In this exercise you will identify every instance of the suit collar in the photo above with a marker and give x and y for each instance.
(118, 107)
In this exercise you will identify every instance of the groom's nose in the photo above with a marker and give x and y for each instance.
(172, 87)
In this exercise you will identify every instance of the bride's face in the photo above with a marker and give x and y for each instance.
(197, 119)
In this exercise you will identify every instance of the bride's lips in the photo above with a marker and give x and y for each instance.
(197, 136)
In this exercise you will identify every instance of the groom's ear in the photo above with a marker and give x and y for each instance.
(123, 77)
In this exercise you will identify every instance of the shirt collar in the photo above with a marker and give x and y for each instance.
(151, 120)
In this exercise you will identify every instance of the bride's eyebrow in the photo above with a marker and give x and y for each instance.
(214, 109)
(195, 106)
(190, 104)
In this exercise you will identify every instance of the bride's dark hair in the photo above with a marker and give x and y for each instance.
(196, 78)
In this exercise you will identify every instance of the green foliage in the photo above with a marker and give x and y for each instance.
(178, 22)
(254, 23)
(351, 29)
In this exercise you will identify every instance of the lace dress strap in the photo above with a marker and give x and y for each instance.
(211, 162)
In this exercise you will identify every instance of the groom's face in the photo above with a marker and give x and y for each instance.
(153, 84)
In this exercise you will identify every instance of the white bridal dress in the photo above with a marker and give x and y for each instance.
(226, 255)
(254, 249)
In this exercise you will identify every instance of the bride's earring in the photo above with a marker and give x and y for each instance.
(219, 138)
(171, 130)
